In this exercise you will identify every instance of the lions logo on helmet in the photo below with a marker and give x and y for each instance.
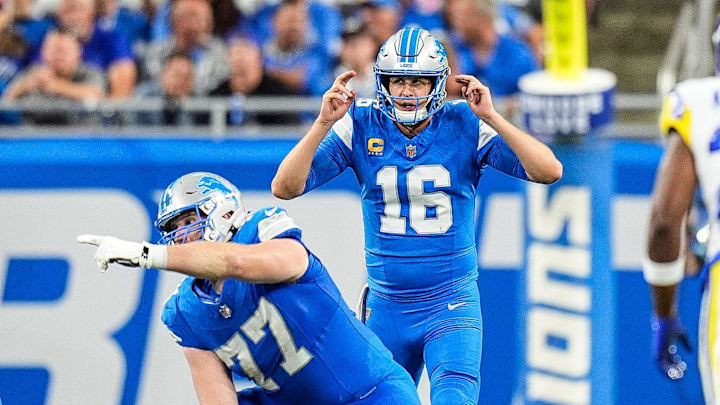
(411, 52)
(209, 184)
(217, 203)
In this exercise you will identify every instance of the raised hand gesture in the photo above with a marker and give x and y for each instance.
(131, 254)
(477, 95)
(338, 99)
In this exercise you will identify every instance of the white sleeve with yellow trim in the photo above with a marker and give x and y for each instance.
(692, 109)
(675, 115)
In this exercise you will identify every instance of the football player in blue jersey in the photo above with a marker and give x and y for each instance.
(418, 161)
(261, 306)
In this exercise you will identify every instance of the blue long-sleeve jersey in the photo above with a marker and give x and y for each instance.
(300, 342)
(418, 195)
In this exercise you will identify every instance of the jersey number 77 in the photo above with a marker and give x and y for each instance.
(267, 314)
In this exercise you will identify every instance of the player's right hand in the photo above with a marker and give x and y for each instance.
(131, 254)
(666, 332)
(338, 99)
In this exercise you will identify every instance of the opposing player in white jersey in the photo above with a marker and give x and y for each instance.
(691, 120)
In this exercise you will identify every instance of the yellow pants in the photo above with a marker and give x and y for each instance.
(709, 337)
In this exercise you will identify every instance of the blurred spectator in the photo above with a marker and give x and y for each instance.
(131, 24)
(382, 18)
(524, 25)
(289, 58)
(175, 85)
(226, 16)
(247, 79)
(160, 23)
(192, 25)
(322, 31)
(358, 53)
(61, 76)
(106, 50)
(17, 16)
(13, 52)
(20, 38)
(424, 13)
(497, 60)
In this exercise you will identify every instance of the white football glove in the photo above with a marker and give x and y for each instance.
(132, 254)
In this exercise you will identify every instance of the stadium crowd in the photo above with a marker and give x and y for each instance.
(89, 50)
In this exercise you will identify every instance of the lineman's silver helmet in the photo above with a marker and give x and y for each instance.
(217, 203)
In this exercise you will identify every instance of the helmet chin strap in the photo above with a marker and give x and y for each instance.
(413, 116)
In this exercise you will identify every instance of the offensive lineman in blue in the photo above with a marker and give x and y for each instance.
(261, 306)
(418, 161)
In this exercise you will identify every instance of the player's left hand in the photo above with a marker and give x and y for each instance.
(132, 254)
(477, 95)
(666, 331)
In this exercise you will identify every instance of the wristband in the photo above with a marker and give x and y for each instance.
(155, 256)
(663, 274)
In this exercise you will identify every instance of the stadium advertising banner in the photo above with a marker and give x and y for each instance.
(568, 285)
(566, 312)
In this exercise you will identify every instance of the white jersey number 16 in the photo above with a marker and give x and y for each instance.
(392, 222)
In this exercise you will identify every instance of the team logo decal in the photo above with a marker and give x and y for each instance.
(167, 196)
(677, 108)
(208, 184)
(411, 151)
(375, 146)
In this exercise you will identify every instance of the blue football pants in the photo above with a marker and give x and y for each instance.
(395, 389)
(444, 333)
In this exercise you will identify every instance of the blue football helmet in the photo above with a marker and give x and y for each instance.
(411, 52)
(216, 202)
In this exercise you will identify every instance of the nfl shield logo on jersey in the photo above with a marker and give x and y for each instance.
(225, 311)
(411, 151)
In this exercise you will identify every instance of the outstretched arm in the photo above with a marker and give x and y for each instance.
(664, 265)
(289, 181)
(273, 261)
(212, 382)
(537, 159)
(674, 187)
